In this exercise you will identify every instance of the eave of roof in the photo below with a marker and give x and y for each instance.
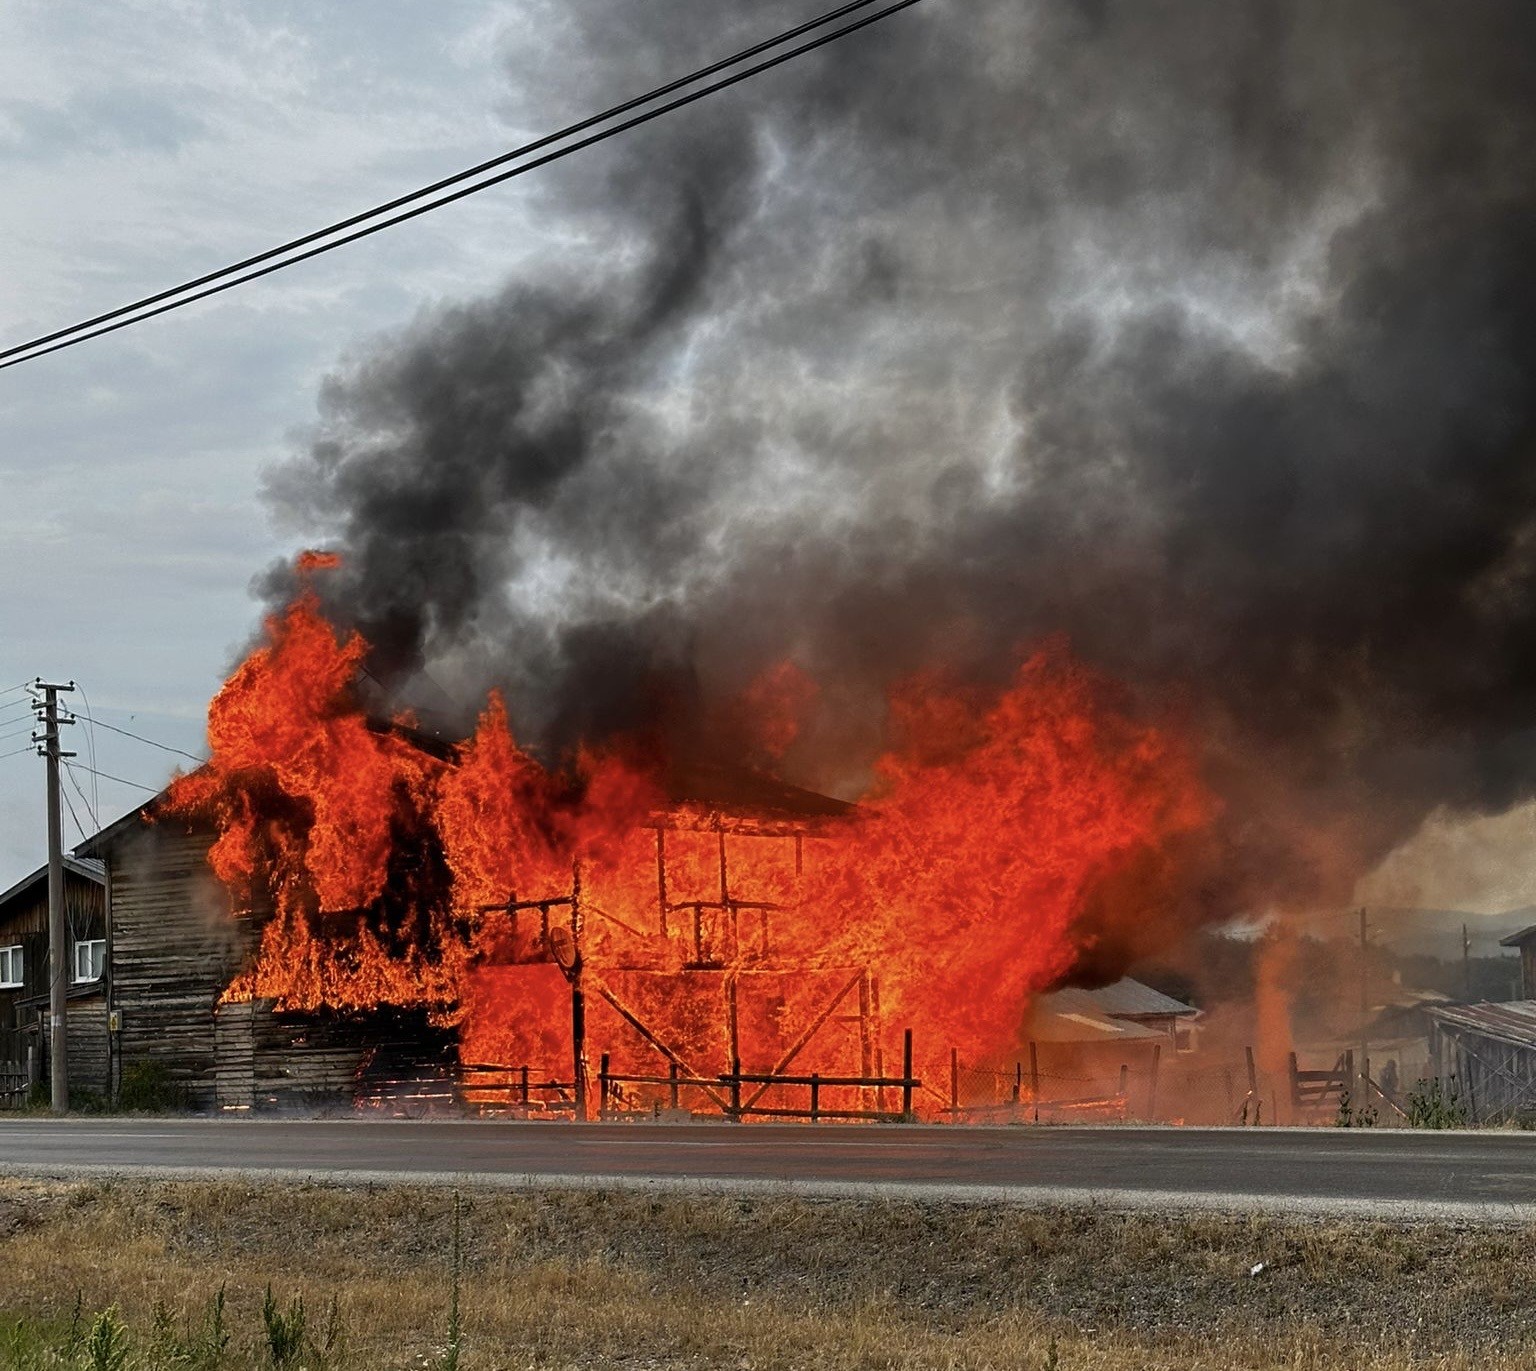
(84, 867)
(1513, 1022)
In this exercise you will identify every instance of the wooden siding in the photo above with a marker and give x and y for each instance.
(290, 1060)
(175, 946)
(25, 921)
(89, 1053)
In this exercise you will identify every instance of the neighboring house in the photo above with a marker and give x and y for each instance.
(1111, 1013)
(24, 977)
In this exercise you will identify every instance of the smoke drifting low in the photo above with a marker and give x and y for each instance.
(1203, 333)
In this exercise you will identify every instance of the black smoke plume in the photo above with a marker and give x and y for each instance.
(1202, 332)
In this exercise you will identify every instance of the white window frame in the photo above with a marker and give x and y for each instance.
(9, 953)
(88, 946)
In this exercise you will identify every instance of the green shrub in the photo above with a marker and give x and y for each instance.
(1432, 1106)
(149, 1087)
(106, 1349)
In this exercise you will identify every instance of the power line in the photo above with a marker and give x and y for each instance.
(112, 728)
(77, 333)
(70, 805)
(17, 752)
(457, 178)
(137, 785)
(90, 743)
(90, 808)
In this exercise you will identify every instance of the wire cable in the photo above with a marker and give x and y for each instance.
(90, 744)
(16, 752)
(457, 178)
(122, 780)
(34, 349)
(70, 805)
(84, 798)
(138, 737)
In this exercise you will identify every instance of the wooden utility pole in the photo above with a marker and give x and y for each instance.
(1466, 965)
(58, 923)
(1365, 1013)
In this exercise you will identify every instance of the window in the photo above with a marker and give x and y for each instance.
(10, 967)
(90, 956)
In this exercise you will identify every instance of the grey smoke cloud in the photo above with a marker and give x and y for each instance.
(1203, 333)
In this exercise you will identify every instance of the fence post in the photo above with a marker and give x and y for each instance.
(672, 1079)
(1018, 1081)
(1157, 1057)
(906, 1076)
(602, 1086)
(954, 1085)
(736, 1088)
(1034, 1076)
(525, 1087)
(1125, 1072)
(1295, 1085)
(815, 1097)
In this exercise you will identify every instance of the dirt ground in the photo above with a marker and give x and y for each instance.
(589, 1278)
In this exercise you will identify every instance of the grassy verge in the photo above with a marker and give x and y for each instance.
(221, 1275)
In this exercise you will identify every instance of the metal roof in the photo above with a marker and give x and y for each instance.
(1128, 999)
(1071, 1016)
(1513, 1022)
(1518, 939)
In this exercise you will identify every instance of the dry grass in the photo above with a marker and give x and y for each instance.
(582, 1279)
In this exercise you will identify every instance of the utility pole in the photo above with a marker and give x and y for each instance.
(1466, 965)
(58, 924)
(1365, 1014)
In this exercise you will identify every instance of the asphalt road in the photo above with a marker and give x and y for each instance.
(1489, 1175)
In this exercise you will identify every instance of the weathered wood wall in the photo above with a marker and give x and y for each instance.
(25, 922)
(89, 1048)
(174, 947)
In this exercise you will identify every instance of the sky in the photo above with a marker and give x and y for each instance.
(151, 140)
(142, 143)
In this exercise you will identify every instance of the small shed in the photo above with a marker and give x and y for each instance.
(1489, 1050)
(24, 979)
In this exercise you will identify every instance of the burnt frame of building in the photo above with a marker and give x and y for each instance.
(174, 945)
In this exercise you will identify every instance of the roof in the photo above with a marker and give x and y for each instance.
(1519, 939)
(1129, 999)
(85, 867)
(98, 842)
(1069, 1016)
(1513, 1022)
(740, 792)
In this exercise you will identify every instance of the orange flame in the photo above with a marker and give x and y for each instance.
(1005, 832)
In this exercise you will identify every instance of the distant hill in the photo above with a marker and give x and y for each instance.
(1437, 932)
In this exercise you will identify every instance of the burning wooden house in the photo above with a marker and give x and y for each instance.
(691, 985)
(339, 907)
